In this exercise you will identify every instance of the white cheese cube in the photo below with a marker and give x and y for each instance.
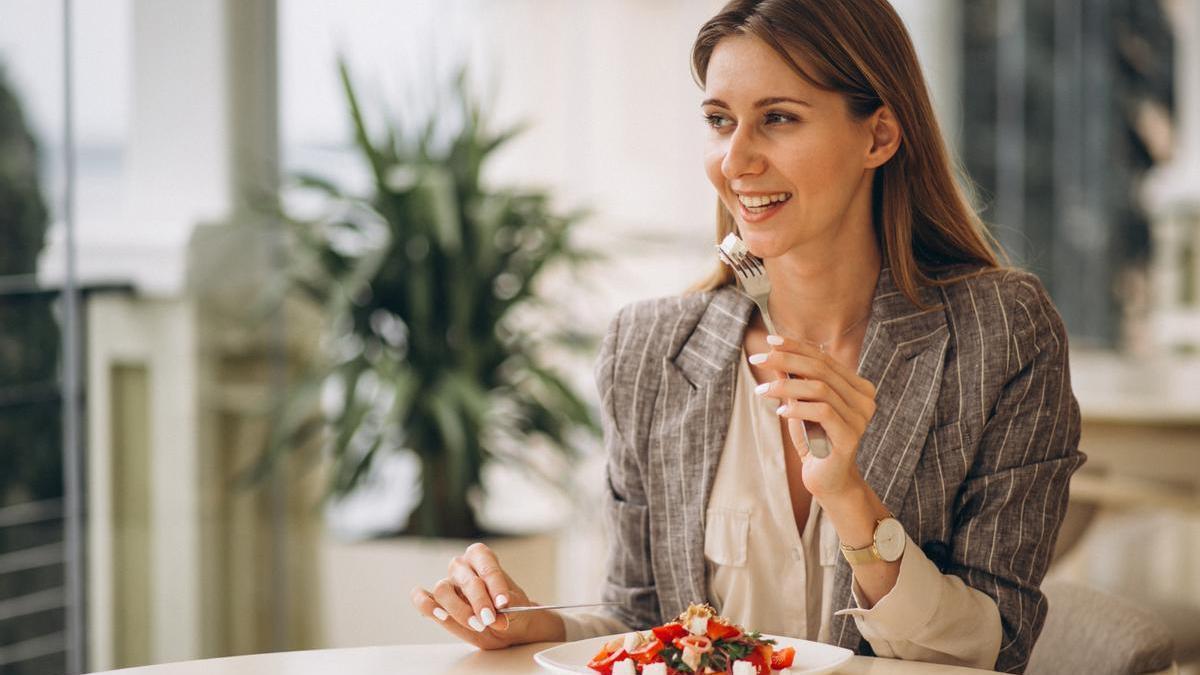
(741, 667)
(658, 668)
(625, 667)
(698, 625)
(733, 246)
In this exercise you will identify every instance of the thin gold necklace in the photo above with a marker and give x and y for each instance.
(824, 346)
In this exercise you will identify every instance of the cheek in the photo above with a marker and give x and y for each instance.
(821, 166)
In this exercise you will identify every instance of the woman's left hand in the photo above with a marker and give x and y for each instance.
(830, 394)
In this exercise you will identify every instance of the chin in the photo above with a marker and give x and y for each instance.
(763, 244)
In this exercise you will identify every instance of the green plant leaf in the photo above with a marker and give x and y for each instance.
(453, 437)
(426, 280)
(315, 182)
(361, 136)
(439, 188)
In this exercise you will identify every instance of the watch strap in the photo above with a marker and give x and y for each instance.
(867, 554)
(860, 556)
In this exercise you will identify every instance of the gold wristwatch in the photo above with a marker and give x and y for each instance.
(888, 544)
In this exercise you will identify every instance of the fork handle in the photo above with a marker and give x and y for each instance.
(814, 437)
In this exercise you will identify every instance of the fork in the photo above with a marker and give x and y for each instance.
(752, 278)
(538, 608)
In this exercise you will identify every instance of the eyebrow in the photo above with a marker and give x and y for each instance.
(760, 103)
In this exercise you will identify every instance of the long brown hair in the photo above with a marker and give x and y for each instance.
(861, 49)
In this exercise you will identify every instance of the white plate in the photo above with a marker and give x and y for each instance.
(812, 658)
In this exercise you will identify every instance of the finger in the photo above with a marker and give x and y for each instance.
(860, 384)
(517, 598)
(475, 591)
(487, 567)
(485, 563)
(810, 367)
(428, 606)
(447, 595)
(842, 370)
(805, 432)
(810, 390)
(840, 434)
(803, 366)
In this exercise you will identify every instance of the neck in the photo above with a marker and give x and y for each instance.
(823, 293)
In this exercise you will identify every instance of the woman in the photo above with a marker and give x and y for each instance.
(940, 377)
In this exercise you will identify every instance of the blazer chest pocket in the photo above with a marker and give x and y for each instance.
(946, 447)
(726, 535)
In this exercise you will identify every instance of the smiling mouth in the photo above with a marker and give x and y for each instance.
(762, 203)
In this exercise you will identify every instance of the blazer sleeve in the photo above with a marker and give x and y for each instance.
(629, 579)
(1012, 502)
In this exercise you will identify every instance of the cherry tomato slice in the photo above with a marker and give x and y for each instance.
(603, 662)
(760, 665)
(698, 642)
(647, 652)
(783, 658)
(719, 631)
(668, 632)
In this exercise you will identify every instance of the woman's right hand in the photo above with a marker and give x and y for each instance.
(465, 603)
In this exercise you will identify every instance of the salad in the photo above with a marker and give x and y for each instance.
(698, 641)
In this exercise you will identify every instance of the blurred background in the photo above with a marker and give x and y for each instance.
(279, 338)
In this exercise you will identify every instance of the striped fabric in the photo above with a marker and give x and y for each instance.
(974, 439)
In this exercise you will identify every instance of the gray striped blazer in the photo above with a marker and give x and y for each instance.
(974, 438)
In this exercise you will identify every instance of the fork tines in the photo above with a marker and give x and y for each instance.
(743, 264)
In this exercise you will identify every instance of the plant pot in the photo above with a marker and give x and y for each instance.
(365, 585)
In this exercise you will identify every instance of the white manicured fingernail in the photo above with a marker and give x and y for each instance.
(757, 358)
(475, 625)
(781, 409)
(440, 614)
(501, 600)
(488, 616)
(774, 340)
(762, 388)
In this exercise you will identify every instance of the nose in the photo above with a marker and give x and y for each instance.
(742, 156)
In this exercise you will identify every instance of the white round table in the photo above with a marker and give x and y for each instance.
(445, 659)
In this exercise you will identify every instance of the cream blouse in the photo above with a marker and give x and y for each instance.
(767, 576)
(763, 573)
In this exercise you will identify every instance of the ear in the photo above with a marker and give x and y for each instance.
(885, 137)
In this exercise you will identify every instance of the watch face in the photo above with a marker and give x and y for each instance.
(889, 539)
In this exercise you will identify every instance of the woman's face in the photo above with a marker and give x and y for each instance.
(786, 158)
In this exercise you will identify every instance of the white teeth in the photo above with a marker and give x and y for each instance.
(752, 202)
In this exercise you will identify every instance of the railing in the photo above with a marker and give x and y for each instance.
(37, 554)
(31, 585)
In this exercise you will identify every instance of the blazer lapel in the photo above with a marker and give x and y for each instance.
(694, 406)
(903, 354)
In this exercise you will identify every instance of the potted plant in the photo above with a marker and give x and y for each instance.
(435, 345)
(428, 282)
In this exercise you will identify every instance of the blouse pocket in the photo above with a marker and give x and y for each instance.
(726, 535)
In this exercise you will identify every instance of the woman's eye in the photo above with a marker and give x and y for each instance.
(777, 118)
(716, 121)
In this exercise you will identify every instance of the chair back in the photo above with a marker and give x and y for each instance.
(1090, 631)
